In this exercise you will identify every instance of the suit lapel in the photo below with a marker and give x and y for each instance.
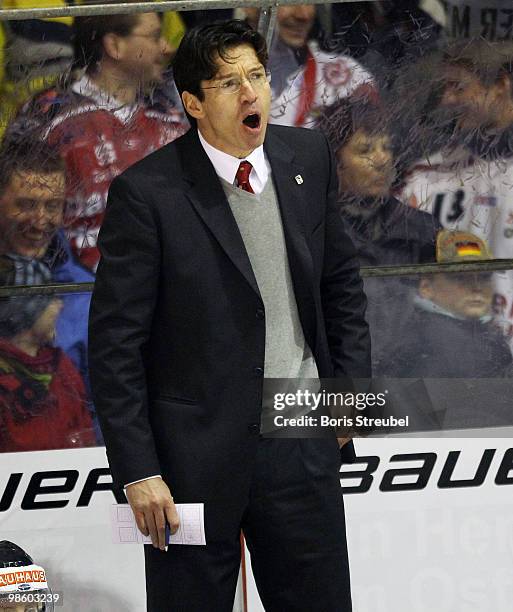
(293, 203)
(292, 198)
(209, 200)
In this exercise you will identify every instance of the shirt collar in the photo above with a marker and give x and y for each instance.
(226, 165)
(85, 86)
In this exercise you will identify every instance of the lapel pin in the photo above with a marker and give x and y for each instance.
(299, 179)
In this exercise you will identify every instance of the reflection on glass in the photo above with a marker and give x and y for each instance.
(422, 135)
(450, 331)
(43, 398)
(107, 111)
(450, 365)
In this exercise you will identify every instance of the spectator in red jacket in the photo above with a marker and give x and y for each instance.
(43, 402)
(107, 118)
(33, 249)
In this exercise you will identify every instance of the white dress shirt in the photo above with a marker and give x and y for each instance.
(226, 165)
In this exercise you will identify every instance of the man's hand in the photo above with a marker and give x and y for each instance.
(153, 506)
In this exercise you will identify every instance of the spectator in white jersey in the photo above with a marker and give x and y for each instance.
(466, 182)
(304, 77)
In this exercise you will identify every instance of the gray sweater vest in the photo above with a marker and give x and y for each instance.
(287, 354)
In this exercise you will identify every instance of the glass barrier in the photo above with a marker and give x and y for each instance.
(416, 103)
(441, 362)
(441, 349)
(418, 120)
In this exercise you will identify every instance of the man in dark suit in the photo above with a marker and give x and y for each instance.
(224, 260)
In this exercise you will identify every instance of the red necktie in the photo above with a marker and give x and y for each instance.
(243, 176)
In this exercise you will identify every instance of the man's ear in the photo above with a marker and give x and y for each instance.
(112, 45)
(193, 105)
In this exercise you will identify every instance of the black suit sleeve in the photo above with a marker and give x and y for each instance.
(343, 299)
(119, 326)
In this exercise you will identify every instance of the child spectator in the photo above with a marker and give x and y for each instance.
(33, 249)
(43, 402)
(451, 335)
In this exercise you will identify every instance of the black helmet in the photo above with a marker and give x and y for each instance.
(12, 555)
(21, 580)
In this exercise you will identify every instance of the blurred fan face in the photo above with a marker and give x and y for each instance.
(465, 295)
(31, 212)
(295, 23)
(144, 54)
(472, 104)
(366, 165)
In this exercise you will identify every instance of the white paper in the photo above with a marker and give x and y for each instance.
(191, 530)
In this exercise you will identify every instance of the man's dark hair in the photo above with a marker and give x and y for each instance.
(88, 33)
(195, 60)
(27, 156)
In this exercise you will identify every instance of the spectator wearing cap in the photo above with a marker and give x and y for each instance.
(42, 395)
(304, 77)
(33, 248)
(451, 335)
(385, 36)
(108, 118)
(384, 230)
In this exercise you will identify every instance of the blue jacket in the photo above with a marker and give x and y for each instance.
(71, 328)
(71, 332)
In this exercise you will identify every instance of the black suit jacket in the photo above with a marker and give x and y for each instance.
(177, 332)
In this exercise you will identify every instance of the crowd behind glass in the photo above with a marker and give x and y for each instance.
(416, 103)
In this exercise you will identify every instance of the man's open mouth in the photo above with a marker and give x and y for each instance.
(252, 121)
